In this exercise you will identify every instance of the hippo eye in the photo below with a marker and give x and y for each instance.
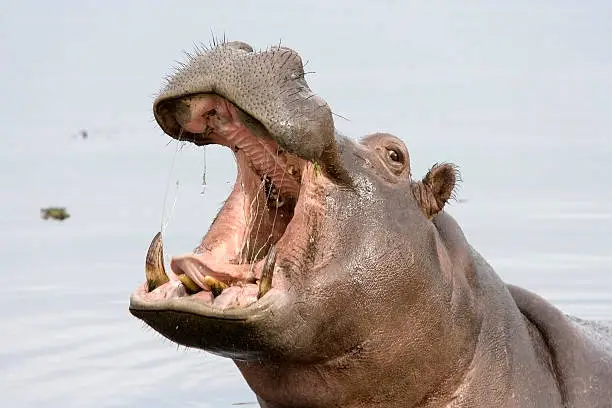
(394, 155)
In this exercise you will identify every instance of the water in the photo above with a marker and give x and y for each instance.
(68, 339)
(525, 113)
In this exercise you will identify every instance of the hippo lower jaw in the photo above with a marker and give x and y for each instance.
(255, 231)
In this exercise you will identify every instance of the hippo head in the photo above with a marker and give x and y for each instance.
(325, 264)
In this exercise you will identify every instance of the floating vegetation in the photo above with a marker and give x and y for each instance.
(56, 213)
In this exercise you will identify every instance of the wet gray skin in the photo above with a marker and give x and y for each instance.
(377, 299)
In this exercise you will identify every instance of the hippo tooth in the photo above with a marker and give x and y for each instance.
(265, 283)
(154, 264)
(216, 286)
(189, 283)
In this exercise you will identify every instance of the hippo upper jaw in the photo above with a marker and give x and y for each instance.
(269, 91)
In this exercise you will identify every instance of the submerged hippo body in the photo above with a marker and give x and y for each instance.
(345, 282)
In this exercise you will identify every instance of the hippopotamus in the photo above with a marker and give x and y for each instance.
(333, 277)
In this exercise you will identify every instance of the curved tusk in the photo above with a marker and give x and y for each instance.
(154, 264)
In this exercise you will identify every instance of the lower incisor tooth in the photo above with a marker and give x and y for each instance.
(189, 283)
(216, 286)
(154, 264)
(265, 283)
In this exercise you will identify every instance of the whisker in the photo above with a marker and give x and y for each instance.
(340, 116)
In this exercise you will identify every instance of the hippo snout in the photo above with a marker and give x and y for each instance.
(266, 90)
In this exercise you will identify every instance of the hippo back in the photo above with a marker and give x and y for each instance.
(599, 332)
(580, 351)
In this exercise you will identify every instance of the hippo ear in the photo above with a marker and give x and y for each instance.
(436, 188)
(239, 45)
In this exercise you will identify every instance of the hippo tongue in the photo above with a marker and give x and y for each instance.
(201, 268)
(197, 267)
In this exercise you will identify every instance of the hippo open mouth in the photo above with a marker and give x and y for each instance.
(234, 264)
(235, 294)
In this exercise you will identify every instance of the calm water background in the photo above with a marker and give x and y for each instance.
(519, 95)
